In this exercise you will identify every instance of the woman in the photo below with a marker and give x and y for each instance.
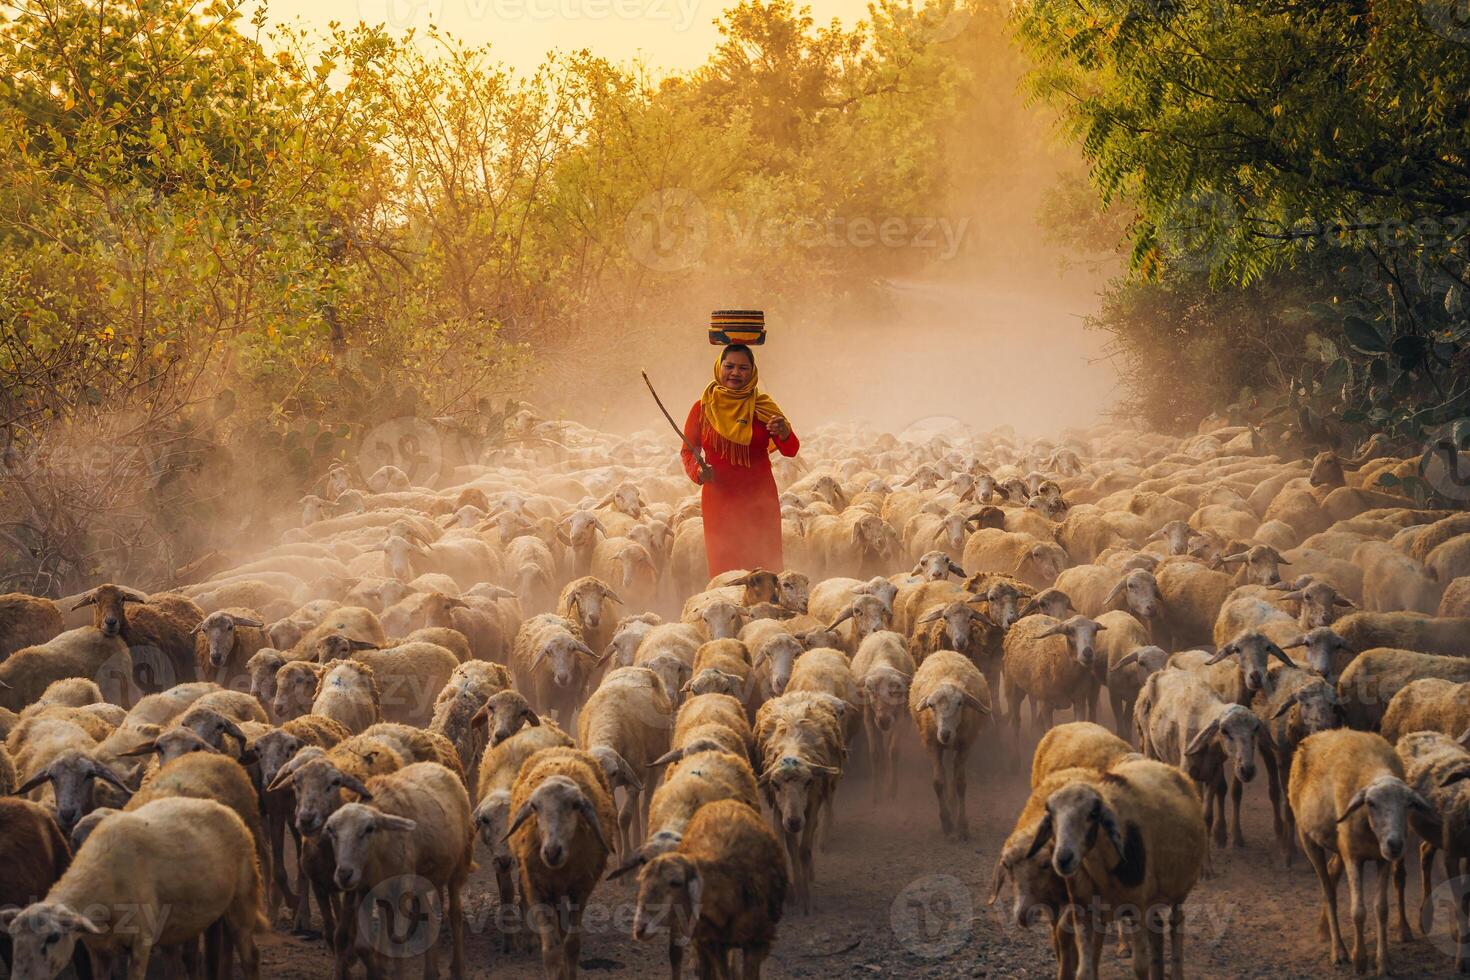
(737, 426)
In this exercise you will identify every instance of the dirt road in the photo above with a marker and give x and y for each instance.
(894, 899)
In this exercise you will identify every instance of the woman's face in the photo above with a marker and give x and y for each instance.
(735, 370)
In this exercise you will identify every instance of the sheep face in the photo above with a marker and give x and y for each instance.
(511, 525)
(868, 614)
(781, 653)
(109, 600)
(561, 658)
(1387, 801)
(673, 672)
(794, 590)
(1177, 535)
(635, 561)
(492, 821)
(1145, 661)
(1074, 816)
(1261, 564)
(178, 742)
(1318, 707)
(1322, 645)
(397, 552)
(87, 824)
(437, 609)
(870, 536)
(723, 620)
(879, 587)
(1005, 602)
(1036, 889)
(1327, 471)
(44, 937)
(948, 703)
(296, 682)
(1254, 651)
(986, 489)
(669, 889)
(960, 624)
(760, 586)
(616, 769)
(625, 641)
(218, 629)
(1320, 603)
(790, 785)
(274, 749)
(72, 776)
(504, 714)
(582, 528)
(1140, 591)
(319, 786)
(353, 830)
(262, 667)
(886, 694)
(560, 810)
(1052, 508)
(627, 500)
(1081, 634)
(211, 726)
(1237, 731)
(712, 681)
(586, 603)
(936, 566)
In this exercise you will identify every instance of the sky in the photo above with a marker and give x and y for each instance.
(669, 35)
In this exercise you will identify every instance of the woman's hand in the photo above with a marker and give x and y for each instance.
(780, 428)
(706, 474)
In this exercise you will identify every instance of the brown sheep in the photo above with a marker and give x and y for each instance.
(723, 889)
(226, 639)
(26, 621)
(159, 632)
(563, 810)
(949, 701)
(33, 853)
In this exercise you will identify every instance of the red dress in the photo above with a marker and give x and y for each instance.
(742, 515)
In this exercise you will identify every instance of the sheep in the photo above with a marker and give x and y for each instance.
(1370, 682)
(691, 782)
(26, 621)
(625, 725)
(562, 808)
(1183, 721)
(1156, 842)
(960, 627)
(883, 670)
(853, 541)
(771, 666)
(1050, 662)
(1049, 602)
(1299, 703)
(1448, 636)
(547, 664)
(593, 606)
(831, 597)
(1076, 744)
(82, 652)
(1318, 599)
(227, 639)
(207, 775)
(1436, 767)
(1124, 659)
(1032, 561)
(189, 858)
(949, 701)
(57, 757)
(1428, 704)
(1455, 603)
(73, 692)
(724, 889)
(348, 693)
(484, 623)
(1094, 589)
(34, 854)
(628, 636)
(1193, 595)
(8, 777)
(710, 721)
(412, 826)
(1394, 582)
(497, 773)
(868, 615)
(1348, 793)
(407, 676)
(631, 565)
(457, 707)
(1259, 565)
(799, 741)
(158, 632)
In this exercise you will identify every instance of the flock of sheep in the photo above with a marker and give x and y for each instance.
(530, 661)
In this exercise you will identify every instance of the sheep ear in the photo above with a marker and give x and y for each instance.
(252, 623)
(1275, 651)
(1202, 740)
(1300, 641)
(1454, 776)
(846, 615)
(584, 807)
(997, 880)
(928, 617)
(39, 779)
(197, 629)
(610, 594)
(1108, 821)
(1344, 601)
(522, 815)
(390, 822)
(531, 718)
(87, 599)
(927, 704)
(1224, 652)
(1359, 798)
(633, 864)
(352, 783)
(1117, 590)
(1043, 834)
(1056, 630)
(1285, 707)
(147, 748)
(361, 645)
(668, 757)
(1464, 738)
(481, 718)
(1127, 661)
(973, 702)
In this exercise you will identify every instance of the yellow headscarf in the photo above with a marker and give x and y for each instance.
(731, 413)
